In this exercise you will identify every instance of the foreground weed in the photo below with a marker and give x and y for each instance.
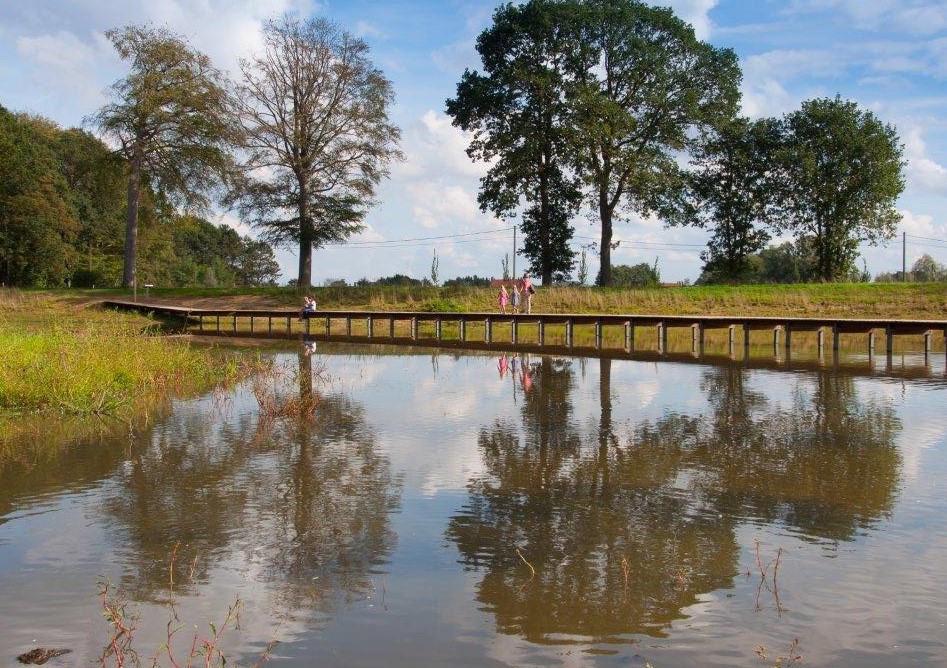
(791, 658)
(203, 649)
(768, 582)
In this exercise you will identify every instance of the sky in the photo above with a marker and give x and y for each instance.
(888, 56)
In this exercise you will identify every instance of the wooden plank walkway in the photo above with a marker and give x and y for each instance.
(381, 325)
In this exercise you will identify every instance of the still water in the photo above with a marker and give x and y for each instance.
(412, 507)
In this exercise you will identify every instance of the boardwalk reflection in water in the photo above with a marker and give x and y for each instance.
(430, 507)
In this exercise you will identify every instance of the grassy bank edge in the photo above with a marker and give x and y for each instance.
(87, 371)
(841, 300)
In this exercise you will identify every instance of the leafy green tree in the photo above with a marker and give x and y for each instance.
(519, 115)
(257, 263)
(642, 275)
(38, 223)
(730, 189)
(928, 270)
(787, 263)
(172, 119)
(644, 87)
(841, 173)
(96, 178)
(315, 113)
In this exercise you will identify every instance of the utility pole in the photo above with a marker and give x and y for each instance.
(904, 257)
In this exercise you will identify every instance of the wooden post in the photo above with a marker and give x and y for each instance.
(569, 332)
(542, 332)
(598, 333)
(835, 338)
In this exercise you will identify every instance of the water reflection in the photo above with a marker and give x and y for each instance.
(606, 532)
(605, 504)
(302, 501)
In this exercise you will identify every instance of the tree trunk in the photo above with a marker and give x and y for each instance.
(304, 282)
(129, 279)
(605, 252)
(545, 264)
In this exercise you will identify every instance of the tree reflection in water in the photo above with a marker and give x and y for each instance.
(301, 503)
(626, 527)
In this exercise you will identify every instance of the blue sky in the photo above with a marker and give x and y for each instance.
(889, 56)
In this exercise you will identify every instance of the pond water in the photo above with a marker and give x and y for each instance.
(412, 507)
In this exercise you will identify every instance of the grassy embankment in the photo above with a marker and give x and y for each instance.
(61, 365)
(857, 300)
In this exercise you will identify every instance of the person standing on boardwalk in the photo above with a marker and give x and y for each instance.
(504, 298)
(528, 292)
(516, 298)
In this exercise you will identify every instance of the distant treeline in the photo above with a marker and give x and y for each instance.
(62, 219)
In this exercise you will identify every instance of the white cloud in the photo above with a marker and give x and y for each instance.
(695, 12)
(918, 17)
(366, 29)
(455, 58)
(436, 204)
(60, 51)
(922, 172)
(434, 146)
(922, 225)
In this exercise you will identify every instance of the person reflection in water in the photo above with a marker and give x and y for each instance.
(503, 365)
(526, 376)
(309, 347)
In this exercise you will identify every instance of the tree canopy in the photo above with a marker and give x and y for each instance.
(315, 114)
(520, 119)
(840, 175)
(730, 188)
(172, 119)
(645, 87)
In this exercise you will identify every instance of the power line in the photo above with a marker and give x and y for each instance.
(365, 245)
(938, 243)
(660, 245)
(382, 243)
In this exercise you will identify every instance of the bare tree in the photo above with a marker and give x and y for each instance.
(315, 112)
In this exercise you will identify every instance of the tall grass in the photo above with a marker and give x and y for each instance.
(59, 362)
(94, 368)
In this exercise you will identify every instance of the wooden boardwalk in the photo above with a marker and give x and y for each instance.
(379, 326)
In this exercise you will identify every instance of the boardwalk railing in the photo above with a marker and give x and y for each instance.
(395, 325)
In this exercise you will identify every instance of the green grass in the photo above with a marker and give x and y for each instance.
(58, 362)
(857, 300)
